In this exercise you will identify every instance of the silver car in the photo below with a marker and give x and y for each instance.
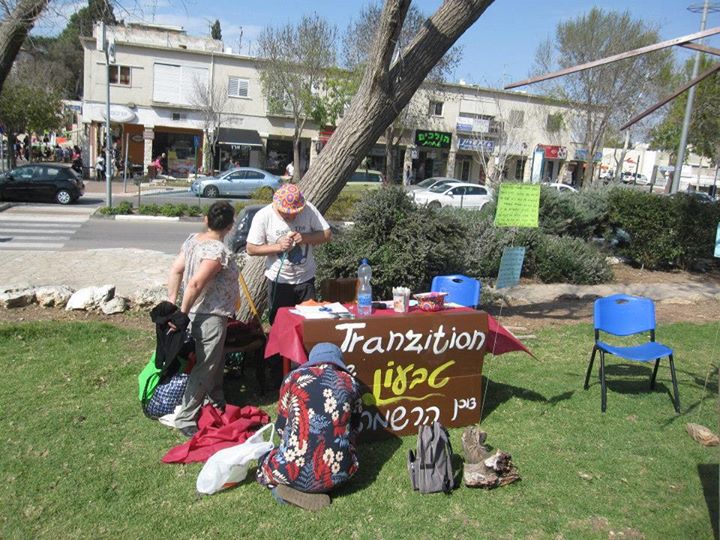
(240, 182)
(459, 195)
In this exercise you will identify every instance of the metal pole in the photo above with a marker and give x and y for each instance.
(688, 112)
(125, 163)
(108, 135)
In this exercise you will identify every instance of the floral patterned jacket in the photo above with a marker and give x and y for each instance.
(318, 415)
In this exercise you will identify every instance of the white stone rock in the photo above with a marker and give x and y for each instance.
(18, 298)
(148, 298)
(117, 304)
(90, 297)
(53, 295)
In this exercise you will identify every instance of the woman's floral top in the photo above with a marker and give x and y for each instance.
(318, 415)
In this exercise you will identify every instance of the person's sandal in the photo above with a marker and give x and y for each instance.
(307, 501)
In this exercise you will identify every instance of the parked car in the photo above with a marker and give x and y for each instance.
(700, 196)
(459, 195)
(368, 177)
(239, 182)
(56, 182)
(635, 178)
(430, 182)
(241, 228)
(562, 188)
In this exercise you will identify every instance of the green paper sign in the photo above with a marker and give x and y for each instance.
(518, 205)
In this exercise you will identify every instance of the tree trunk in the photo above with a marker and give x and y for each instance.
(389, 156)
(384, 91)
(14, 30)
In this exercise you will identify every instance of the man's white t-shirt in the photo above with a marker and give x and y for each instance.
(268, 227)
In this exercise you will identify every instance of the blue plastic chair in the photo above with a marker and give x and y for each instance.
(461, 289)
(624, 315)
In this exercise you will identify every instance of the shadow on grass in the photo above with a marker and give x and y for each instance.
(561, 309)
(497, 393)
(372, 456)
(708, 474)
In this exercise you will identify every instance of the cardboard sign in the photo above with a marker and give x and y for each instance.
(413, 369)
(510, 267)
(518, 205)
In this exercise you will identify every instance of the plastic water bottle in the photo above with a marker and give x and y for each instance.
(364, 299)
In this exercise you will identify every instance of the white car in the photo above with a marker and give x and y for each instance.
(430, 182)
(562, 188)
(458, 195)
(635, 178)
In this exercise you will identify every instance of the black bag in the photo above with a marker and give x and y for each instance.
(430, 466)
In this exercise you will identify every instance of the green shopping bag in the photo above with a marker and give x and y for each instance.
(148, 380)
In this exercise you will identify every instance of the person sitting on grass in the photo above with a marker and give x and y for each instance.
(318, 417)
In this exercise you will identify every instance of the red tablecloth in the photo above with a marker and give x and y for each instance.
(286, 335)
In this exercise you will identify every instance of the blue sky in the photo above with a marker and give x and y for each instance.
(499, 47)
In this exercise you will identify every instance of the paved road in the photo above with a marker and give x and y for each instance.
(41, 227)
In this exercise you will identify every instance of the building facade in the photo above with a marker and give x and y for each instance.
(162, 83)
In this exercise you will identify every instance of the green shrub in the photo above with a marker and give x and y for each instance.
(122, 208)
(343, 207)
(149, 209)
(406, 245)
(664, 231)
(562, 259)
(263, 194)
(583, 214)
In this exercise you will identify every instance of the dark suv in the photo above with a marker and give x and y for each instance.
(42, 182)
(241, 228)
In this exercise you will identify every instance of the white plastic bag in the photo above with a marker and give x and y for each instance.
(229, 466)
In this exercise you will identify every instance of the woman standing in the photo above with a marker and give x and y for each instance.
(209, 275)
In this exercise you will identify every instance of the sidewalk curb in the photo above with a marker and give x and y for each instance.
(5, 206)
(146, 218)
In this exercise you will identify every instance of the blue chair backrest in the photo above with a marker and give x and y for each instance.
(461, 289)
(623, 315)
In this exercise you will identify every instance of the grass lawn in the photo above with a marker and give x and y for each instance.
(81, 461)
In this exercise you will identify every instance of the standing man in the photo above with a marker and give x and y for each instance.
(290, 170)
(285, 232)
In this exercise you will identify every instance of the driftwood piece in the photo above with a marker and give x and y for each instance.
(483, 468)
(702, 435)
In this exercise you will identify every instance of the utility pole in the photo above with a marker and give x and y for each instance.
(695, 8)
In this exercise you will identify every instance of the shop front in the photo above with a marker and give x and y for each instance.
(238, 148)
(553, 159)
(182, 149)
(433, 148)
(473, 155)
(578, 165)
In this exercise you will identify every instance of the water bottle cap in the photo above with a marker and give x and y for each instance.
(364, 261)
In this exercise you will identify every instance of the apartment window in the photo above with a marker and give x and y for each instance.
(238, 87)
(178, 84)
(436, 108)
(517, 118)
(554, 122)
(120, 75)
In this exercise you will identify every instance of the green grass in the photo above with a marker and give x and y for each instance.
(81, 461)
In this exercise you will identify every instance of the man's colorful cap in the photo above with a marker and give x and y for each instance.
(288, 199)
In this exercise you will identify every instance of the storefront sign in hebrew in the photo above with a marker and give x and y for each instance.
(433, 139)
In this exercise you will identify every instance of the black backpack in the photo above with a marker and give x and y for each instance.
(430, 466)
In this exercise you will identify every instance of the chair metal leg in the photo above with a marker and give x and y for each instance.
(654, 373)
(675, 386)
(589, 369)
(603, 388)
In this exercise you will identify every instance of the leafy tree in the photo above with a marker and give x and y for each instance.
(28, 103)
(704, 133)
(211, 102)
(215, 30)
(387, 86)
(65, 50)
(296, 58)
(15, 25)
(609, 94)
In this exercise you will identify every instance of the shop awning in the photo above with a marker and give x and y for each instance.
(246, 137)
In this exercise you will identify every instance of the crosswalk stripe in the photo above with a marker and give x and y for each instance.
(43, 219)
(13, 238)
(14, 226)
(30, 245)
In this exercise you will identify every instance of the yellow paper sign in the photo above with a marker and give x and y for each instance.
(518, 205)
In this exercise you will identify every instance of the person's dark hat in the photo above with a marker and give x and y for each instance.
(326, 353)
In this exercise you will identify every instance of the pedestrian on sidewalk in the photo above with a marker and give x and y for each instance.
(209, 275)
(100, 168)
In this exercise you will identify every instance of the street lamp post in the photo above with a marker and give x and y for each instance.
(108, 47)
